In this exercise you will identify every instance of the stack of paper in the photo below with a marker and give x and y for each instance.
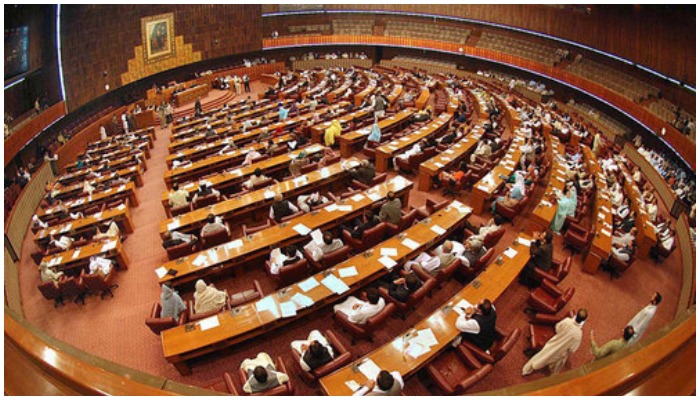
(510, 253)
(369, 369)
(161, 271)
(308, 284)
(288, 309)
(302, 301)
(200, 261)
(347, 272)
(301, 229)
(334, 284)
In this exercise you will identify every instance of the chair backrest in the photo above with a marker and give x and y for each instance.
(379, 318)
(335, 257)
(253, 229)
(50, 290)
(70, 287)
(94, 282)
(484, 260)
(260, 184)
(247, 295)
(215, 238)
(205, 201)
(293, 272)
(422, 291)
(305, 169)
(175, 211)
(379, 178)
(374, 235)
(180, 250)
(505, 344)
(493, 237)
(157, 324)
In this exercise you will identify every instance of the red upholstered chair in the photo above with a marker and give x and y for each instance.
(193, 316)
(407, 219)
(305, 169)
(559, 271)
(73, 287)
(431, 206)
(282, 390)
(541, 329)
(410, 165)
(504, 342)
(443, 275)
(510, 213)
(180, 250)
(262, 184)
(157, 324)
(369, 150)
(491, 239)
(247, 296)
(379, 178)
(96, 284)
(617, 267)
(370, 237)
(175, 211)
(472, 271)
(289, 274)
(454, 371)
(215, 238)
(577, 237)
(548, 298)
(366, 330)
(249, 230)
(231, 385)
(333, 160)
(415, 297)
(205, 201)
(288, 217)
(328, 260)
(342, 358)
(51, 291)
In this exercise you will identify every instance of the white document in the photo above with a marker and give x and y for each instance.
(416, 350)
(445, 158)
(459, 307)
(347, 272)
(357, 197)
(410, 243)
(426, 337)
(208, 323)
(122, 187)
(510, 253)
(605, 232)
(387, 262)
(288, 309)
(301, 229)
(331, 207)
(234, 245)
(200, 261)
(317, 236)
(334, 284)
(302, 301)
(345, 208)
(76, 254)
(352, 385)
(267, 304)
(98, 215)
(161, 271)
(389, 251)
(437, 229)
(67, 227)
(308, 284)
(173, 225)
(439, 165)
(300, 180)
(524, 241)
(325, 172)
(268, 194)
(374, 196)
(369, 369)
(109, 246)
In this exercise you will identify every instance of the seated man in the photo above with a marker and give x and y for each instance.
(314, 351)
(289, 255)
(329, 245)
(387, 384)
(306, 202)
(37, 223)
(541, 253)
(443, 256)
(391, 210)
(281, 208)
(360, 225)
(478, 324)
(364, 173)
(49, 274)
(256, 178)
(479, 236)
(213, 224)
(402, 288)
(664, 240)
(205, 189)
(171, 304)
(178, 197)
(474, 251)
(181, 162)
(623, 252)
(112, 232)
(262, 374)
(207, 298)
(359, 311)
(100, 265)
(624, 237)
(175, 238)
(63, 243)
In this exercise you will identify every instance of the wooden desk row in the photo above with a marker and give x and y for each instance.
(352, 141)
(73, 260)
(602, 216)
(318, 130)
(72, 178)
(227, 179)
(395, 147)
(149, 132)
(76, 190)
(646, 235)
(393, 356)
(243, 205)
(215, 114)
(191, 94)
(233, 253)
(120, 214)
(124, 191)
(543, 215)
(184, 343)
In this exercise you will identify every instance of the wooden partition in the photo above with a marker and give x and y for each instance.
(323, 63)
(25, 134)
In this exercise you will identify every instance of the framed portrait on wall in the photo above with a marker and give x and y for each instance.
(158, 35)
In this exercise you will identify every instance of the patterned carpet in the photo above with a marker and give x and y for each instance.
(114, 328)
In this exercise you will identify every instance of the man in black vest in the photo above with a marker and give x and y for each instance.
(281, 208)
(478, 324)
(540, 257)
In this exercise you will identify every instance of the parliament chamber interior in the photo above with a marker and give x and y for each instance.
(350, 199)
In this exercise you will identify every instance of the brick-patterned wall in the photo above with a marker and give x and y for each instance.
(97, 38)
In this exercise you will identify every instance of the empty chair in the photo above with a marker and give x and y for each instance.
(577, 237)
(73, 287)
(157, 324)
(175, 211)
(454, 371)
(559, 271)
(51, 291)
(249, 230)
(366, 330)
(548, 298)
(504, 342)
(96, 284)
(370, 238)
(180, 250)
(246, 296)
(341, 358)
(431, 206)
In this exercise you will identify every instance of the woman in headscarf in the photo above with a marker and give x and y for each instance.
(331, 133)
(376, 134)
(171, 304)
(566, 207)
(207, 298)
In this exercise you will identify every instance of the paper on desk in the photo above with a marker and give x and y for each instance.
(524, 241)
(347, 272)
(374, 196)
(389, 251)
(459, 307)
(325, 172)
(437, 229)
(213, 255)
(301, 229)
(302, 301)
(300, 180)
(426, 337)
(357, 197)
(369, 369)
(120, 188)
(334, 284)
(387, 262)
(267, 304)
(234, 245)
(331, 207)
(308, 284)
(605, 232)
(510, 253)
(268, 194)
(98, 214)
(109, 246)
(200, 260)
(173, 225)
(288, 309)
(546, 203)
(317, 236)
(439, 165)
(416, 350)
(352, 385)
(208, 323)
(161, 271)
(410, 243)
(121, 207)
(484, 188)
(76, 254)
(345, 208)
(67, 227)
(449, 151)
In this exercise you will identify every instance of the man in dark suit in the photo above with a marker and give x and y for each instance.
(364, 173)
(478, 324)
(198, 107)
(368, 221)
(402, 288)
(540, 257)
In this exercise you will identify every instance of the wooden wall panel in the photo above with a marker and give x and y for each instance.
(17, 140)
(97, 38)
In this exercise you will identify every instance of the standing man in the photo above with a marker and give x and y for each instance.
(565, 342)
(541, 253)
(612, 346)
(641, 321)
(246, 83)
(198, 107)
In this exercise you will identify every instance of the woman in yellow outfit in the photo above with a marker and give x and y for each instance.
(331, 133)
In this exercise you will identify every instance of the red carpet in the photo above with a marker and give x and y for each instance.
(114, 328)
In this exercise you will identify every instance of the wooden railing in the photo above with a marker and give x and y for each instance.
(681, 143)
(17, 140)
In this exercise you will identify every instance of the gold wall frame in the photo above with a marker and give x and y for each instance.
(158, 36)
